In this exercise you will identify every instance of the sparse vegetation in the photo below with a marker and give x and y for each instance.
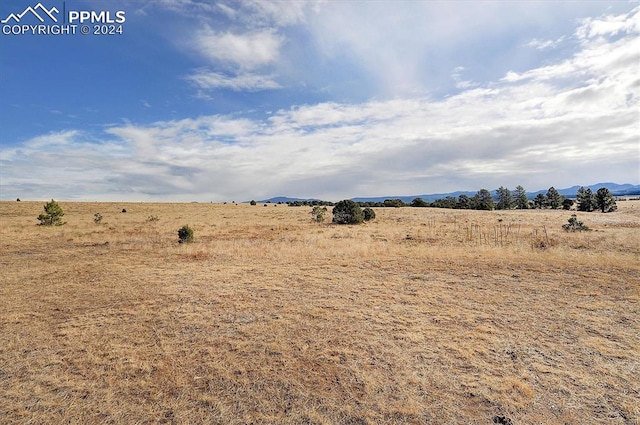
(152, 218)
(52, 215)
(97, 218)
(185, 234)
(423, 316)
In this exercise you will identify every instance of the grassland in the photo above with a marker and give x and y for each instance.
(422, 316)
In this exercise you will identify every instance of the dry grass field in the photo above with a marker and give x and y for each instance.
(422, 316)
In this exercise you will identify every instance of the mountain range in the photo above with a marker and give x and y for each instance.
(570, 192)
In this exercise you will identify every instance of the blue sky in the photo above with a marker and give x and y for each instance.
(237, 100)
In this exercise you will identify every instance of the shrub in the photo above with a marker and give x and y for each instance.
(347, 212)
(97, 218)
(574, 225)
(52, 214)
(185, 234)
(368, 214)
(253, 202)
(317, 213)
(152, 218)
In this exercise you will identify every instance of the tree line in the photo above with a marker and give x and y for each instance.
(506, 199)
(586, 200)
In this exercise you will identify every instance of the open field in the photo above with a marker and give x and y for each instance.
(422, 316)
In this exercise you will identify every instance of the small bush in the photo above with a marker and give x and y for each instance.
(97, 218)
(574, 225)
(152, 218)
(317, 213)
(347, 212)
(52, 214)
(185, 234)
(368, 214)
(252, 202)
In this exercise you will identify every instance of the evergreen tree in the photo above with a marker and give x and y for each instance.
(505, 200)
(52, 214)
(567, 203)
(585, 199)
(521, 200)
(605, 200)
(483, 200)
(554, 199)
(539, 201)
(464, 202)
(419, 202)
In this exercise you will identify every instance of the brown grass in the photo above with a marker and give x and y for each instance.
(421, 316)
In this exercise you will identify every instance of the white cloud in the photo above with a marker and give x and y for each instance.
(245, 51)
(545, 44)
(456, 75)
(208, 80)
(277, 13)
(610, 25)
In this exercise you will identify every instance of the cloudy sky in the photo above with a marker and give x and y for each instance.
(236, 100)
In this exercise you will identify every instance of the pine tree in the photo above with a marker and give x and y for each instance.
(505, 200)
(483, 200)
(521, 200)
(554, 199)
(464, 202)
(540, 201)
(605, 200)
(585, 199)
(52, 214)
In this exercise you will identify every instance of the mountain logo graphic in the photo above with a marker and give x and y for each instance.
(34, 11)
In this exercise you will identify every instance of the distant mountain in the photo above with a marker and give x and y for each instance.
(407, 199)
(614, 188)
(284, 200)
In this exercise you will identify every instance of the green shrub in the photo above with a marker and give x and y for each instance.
(368, 214)
(253, 202)
(574, 225)
(185, 234)
(52, 214)
(97, 218)
(347, 212)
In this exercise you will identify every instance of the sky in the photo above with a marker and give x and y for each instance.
(212, 101)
